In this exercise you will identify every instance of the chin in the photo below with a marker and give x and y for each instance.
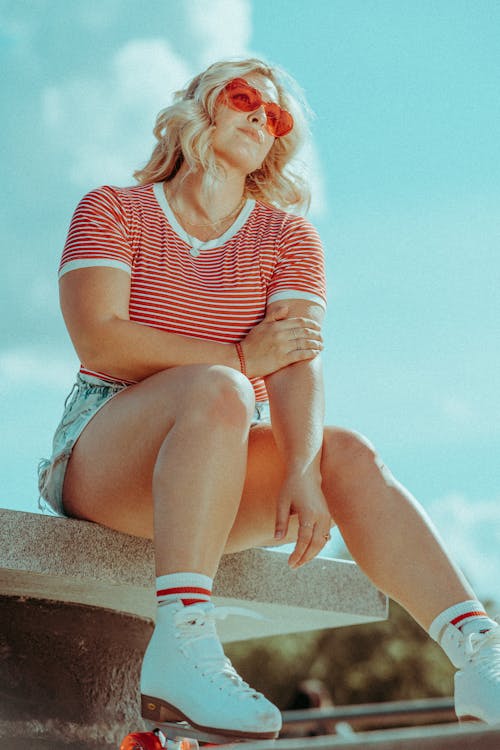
(237, 162)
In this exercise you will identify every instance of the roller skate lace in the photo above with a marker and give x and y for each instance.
(193, 625)
(483, 650)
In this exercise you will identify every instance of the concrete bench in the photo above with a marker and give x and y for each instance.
(77, 604)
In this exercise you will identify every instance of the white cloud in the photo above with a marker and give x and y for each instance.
(149, 70)
(221, 28)
(105, 123)
(471, 531)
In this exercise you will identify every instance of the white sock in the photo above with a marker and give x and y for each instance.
(189, 588)
(468, 617)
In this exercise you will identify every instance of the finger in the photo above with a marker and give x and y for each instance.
(280, 313)
(312, 333)
(304, 537)
(299, 338)
(295, 348)
(300, 334)
(299, 355)
(305, 342)
(318, 537)
(300, 323)
(296, 338)
(318, 540)
(282, 519)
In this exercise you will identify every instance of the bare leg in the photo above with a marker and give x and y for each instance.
(181, 437)
(179, 444)
(387, 532)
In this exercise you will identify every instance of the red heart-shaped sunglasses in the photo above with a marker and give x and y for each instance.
(239, 95)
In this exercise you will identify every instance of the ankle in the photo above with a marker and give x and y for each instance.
(452, 627)
(188, 588)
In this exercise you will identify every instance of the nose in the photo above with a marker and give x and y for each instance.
(258, 116)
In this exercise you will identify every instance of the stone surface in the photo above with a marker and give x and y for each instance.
(69, 672)
(76, 561)
(76, 608)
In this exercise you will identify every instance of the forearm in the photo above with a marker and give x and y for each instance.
(131, 351)
(95, 304)
(296, 397)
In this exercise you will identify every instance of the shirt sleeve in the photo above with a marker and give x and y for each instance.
(300, 269)
(98, 234)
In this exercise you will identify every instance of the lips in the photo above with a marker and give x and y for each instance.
(256, 135)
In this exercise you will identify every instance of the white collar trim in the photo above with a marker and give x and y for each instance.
(193, 242)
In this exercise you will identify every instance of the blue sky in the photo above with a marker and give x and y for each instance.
(405, 170)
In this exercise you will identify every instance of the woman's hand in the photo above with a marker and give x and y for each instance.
(301, 493)
(279, 341)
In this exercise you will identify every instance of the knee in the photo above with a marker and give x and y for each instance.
(225, 397)
(346, 453)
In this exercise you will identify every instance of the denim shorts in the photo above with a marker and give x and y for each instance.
(85, 399)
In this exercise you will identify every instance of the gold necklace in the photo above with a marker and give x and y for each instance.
(212, 224)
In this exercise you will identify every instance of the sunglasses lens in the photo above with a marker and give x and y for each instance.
(279, 122)
(285, 124)
(240, 96)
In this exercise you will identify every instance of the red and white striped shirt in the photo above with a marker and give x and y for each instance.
(217, 290)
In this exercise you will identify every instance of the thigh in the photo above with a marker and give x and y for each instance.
(109, 475)
(255, 522)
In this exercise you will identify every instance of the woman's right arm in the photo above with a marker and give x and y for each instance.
(95, 302)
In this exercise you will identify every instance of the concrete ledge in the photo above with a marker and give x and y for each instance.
(66, 560)
(77, 603)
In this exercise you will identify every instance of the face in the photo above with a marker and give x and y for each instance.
(241, 140)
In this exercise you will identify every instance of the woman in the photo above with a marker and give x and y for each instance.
(192, 300)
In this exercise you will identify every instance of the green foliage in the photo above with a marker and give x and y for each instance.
(393, 660)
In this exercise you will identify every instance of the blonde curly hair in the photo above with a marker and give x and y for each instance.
(184, 133)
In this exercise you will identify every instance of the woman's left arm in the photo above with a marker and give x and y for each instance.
(296, 398)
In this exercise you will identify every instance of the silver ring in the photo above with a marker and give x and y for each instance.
(307, 525)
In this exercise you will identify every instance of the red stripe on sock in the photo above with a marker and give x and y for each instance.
(183, 590)
(188, 602)
(458, 619)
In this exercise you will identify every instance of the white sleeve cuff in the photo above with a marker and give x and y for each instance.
(295, 294)
(91, 262)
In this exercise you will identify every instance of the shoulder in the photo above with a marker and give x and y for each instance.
(112, 206)
(111, 195)
(288, 222)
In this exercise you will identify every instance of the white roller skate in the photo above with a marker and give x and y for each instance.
(186, 677)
